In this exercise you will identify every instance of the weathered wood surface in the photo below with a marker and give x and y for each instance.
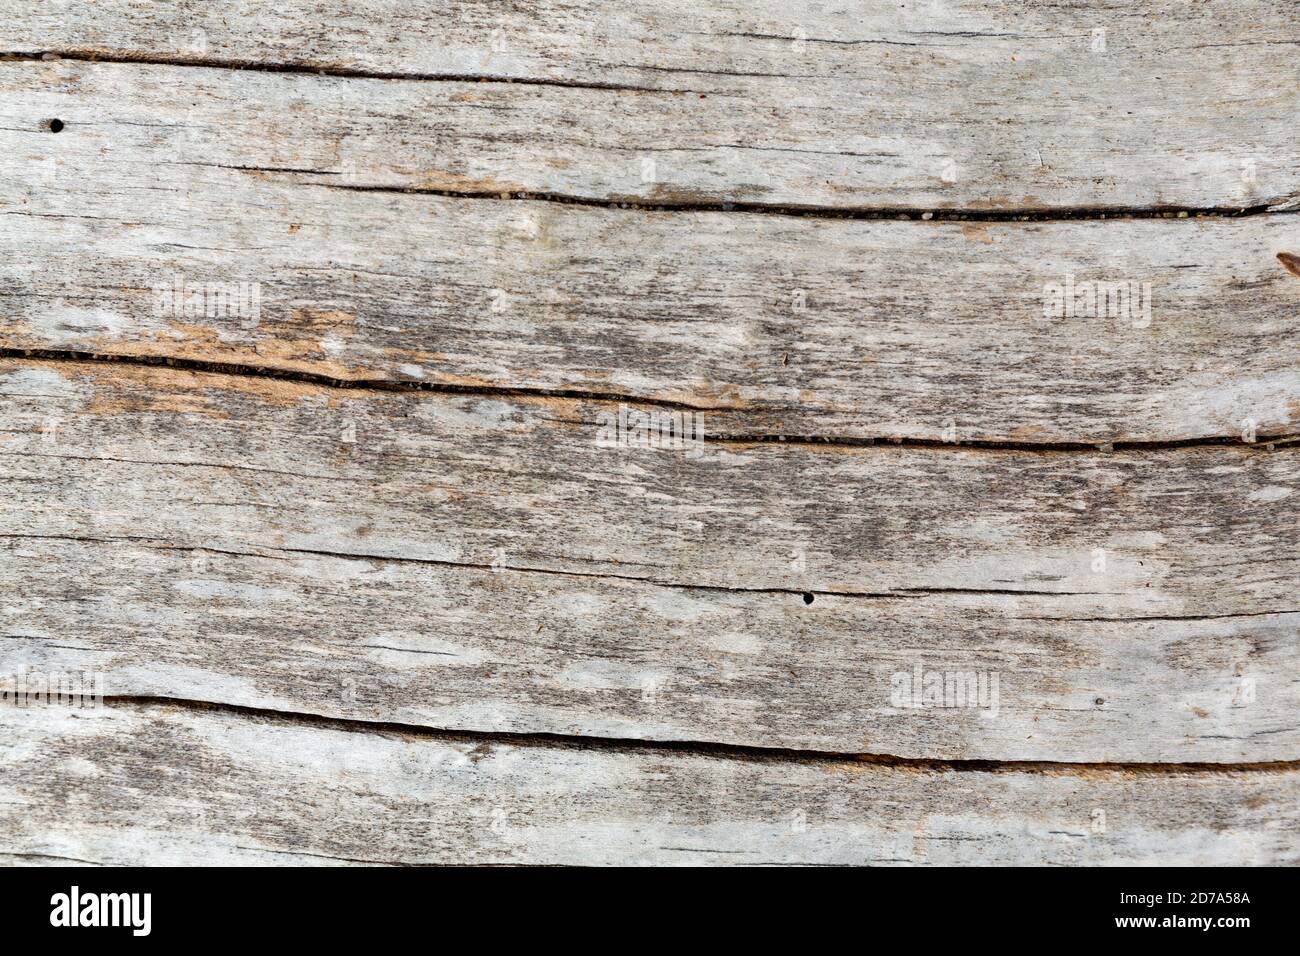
(364, 579)
(159, 785)
(473, 562)
(946, 104)
(770, 325)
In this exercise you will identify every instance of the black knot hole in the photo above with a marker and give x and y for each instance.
(54, 125)
(807, 598)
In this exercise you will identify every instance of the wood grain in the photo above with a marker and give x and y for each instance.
(370, 573)
(159, 785)
(482, 563)
(771, 325)
(947, 104)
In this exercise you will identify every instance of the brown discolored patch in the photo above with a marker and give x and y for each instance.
(977, 232)
(1290, 262)
(299, 349)
(20, 334)
(996, 203)
(1028, 433)
(456, 182)
(123, 389)
(120, 401)
(310, 331)
(670, 195)
(298, 345)
(324, 320)
(709, 396)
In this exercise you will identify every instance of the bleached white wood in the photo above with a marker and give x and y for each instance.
(156, 785)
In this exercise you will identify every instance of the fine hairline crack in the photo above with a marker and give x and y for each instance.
(200, 366)
(309, 68)
(274, 552)
(914, 593)
(750, 753)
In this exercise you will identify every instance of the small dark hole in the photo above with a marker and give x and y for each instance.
(1100, 701)
(55, 125)
(807, 598)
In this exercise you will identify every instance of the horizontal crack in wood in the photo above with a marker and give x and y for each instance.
(327, 856)
(922, 215)
(49, 856)
(1137, 619)
(272, 553)
(330, 381)
(1262, 441)
(721, 751)
(308, 68)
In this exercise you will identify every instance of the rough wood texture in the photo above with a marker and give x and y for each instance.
(948, 104)
(771, 325)
(160, 785)
(480, 562)
(939, 577)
